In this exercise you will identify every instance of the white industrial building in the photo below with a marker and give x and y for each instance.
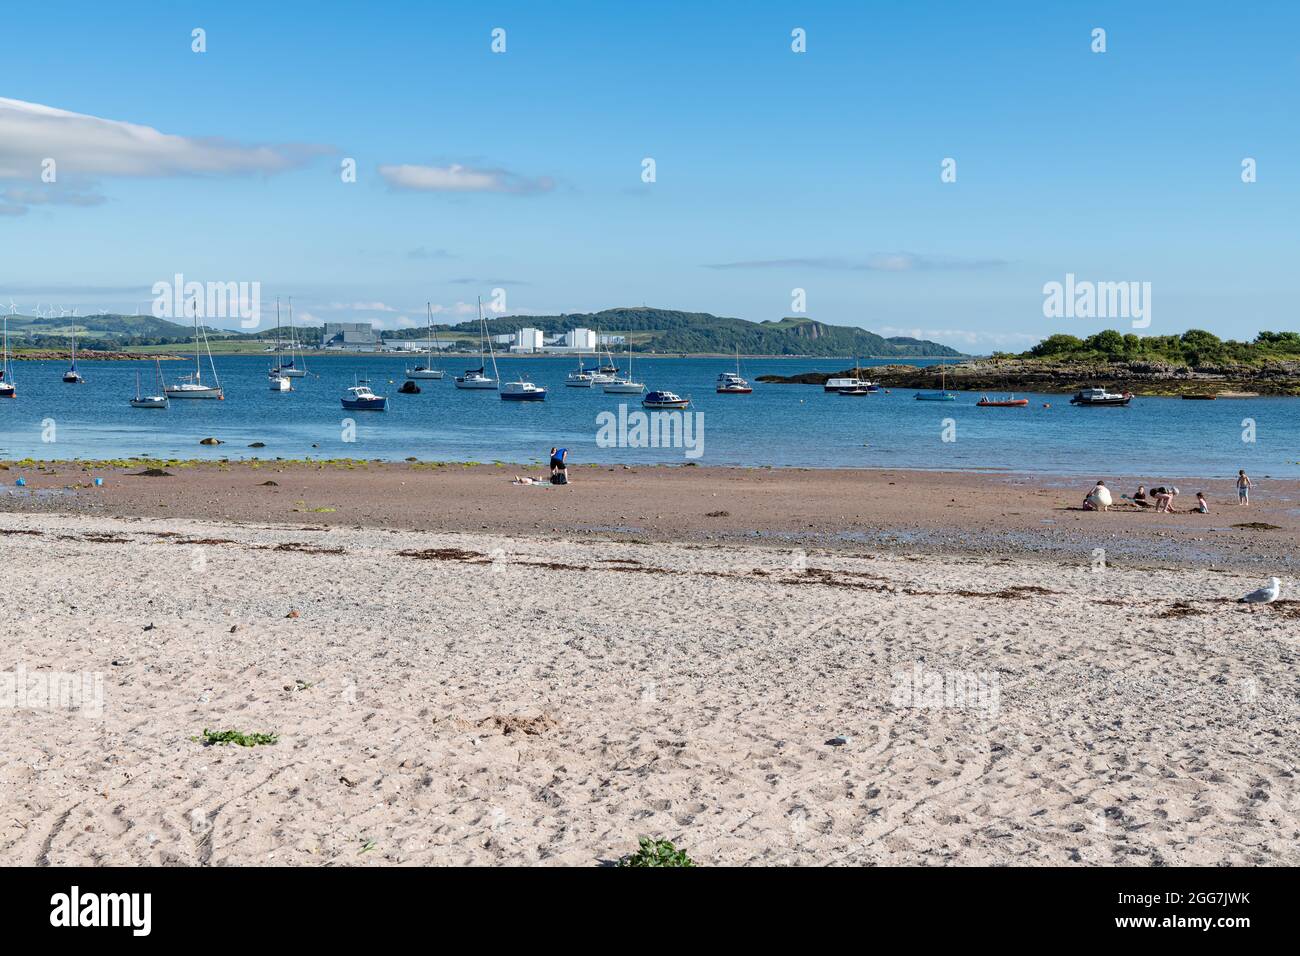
(584, 339)
(528, 340)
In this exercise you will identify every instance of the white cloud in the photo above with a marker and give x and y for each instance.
(461, 179)
(83, 145)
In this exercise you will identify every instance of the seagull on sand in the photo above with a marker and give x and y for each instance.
(1264, 595)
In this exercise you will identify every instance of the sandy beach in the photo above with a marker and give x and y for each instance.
(459, 670)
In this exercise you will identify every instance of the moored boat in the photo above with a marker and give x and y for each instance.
(730, 383)
(191, 386)
(1101, 397)
(1008, 402)
(359, 398)
(475, 378)
(522, 391)
(664, 399)
(427, 369)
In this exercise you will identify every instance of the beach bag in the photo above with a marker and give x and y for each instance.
(559, 478)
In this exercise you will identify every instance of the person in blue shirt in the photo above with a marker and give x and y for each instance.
(558, 462)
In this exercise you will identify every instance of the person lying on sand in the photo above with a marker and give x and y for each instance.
(525, 480)
(1098, 499)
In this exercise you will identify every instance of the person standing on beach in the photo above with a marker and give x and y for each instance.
(1243, 488)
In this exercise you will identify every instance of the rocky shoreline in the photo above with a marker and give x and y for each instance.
(52, 355)
(1019, 375)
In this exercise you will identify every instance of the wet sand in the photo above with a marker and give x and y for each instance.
(841, 510)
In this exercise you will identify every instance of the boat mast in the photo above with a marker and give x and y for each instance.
(428, 306)
(198, 368)
(495, 374)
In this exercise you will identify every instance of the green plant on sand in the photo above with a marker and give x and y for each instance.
(211, 737)
(657, 853)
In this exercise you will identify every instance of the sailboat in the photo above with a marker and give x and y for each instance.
(625, 386)
(730, 383)
(72, 376)
(582, 378)
(290, 368)
(7, 388)
(427, 370)
(943, 395)
(191, 386)
(149, 401)
(476, 377)
(279, 381)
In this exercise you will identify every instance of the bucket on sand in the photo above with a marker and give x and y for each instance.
(21, 482)
(99, 482)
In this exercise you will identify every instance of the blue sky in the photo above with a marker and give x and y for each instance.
(775, 170)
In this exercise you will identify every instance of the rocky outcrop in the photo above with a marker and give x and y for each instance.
(1022, 375)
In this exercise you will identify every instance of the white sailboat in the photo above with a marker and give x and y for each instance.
(427, 370)
(477, 377)
(291, 368)
(191, 386)
(277, 377)
(582, 378)
(72, 376)
(150, 401)
(7, 387)
(628, 385)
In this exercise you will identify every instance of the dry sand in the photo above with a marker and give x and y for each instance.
(447, 698)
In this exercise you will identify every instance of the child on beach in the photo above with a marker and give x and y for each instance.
(1202, 505)
(1164, 499)
(1243, 488)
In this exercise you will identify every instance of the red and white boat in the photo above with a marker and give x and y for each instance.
(1008, 402)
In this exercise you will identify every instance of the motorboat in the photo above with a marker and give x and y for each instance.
(664, 399)
(1008, 402)
(522, 391)
(1099, 396)
(359, 398)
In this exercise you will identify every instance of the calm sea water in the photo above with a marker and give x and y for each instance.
(779, 425)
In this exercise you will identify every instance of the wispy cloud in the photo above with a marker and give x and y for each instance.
(360, 307)
(879, 262)
(422, 253)
(470, 280)
(967, 337)
(462, 179)
(83, 145)
(51, 196)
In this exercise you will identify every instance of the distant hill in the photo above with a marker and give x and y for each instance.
(670, 331)
(665, 331)
(104, 331)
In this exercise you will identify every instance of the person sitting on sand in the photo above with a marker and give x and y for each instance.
(1202, 505)
(1098, 499)
(1164, 499)
(1140, 497)
(1243, 488)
